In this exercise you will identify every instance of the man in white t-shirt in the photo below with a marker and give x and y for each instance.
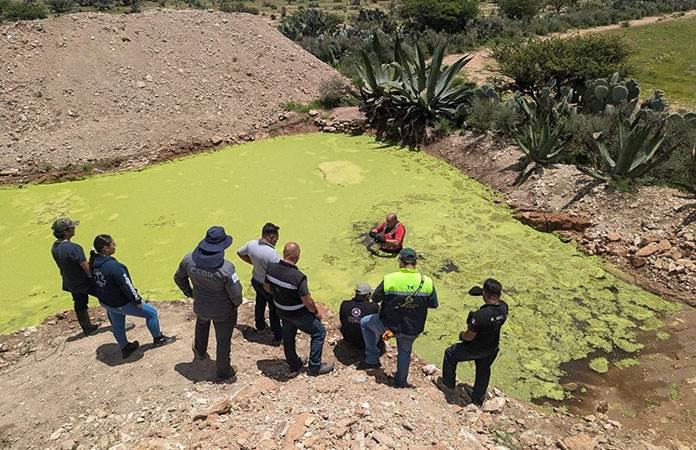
(260, 253)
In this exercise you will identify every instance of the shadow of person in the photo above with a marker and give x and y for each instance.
(201, 370)
(276, 369)
(348, 354)
(459, 395)
(250, 334)
(100, 330)
(110, 354)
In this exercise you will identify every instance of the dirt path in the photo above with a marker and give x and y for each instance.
(483, 66)
(63, 391)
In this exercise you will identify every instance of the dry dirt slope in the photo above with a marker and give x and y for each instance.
(60, 390)
(90, 87)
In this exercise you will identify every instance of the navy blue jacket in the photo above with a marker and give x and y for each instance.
(113, 283)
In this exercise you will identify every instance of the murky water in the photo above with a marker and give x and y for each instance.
(324, 191)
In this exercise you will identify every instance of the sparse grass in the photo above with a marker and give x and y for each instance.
(665, 59)
(301, 107)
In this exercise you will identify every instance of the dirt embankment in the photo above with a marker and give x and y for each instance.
(101, 90)
(65, 391)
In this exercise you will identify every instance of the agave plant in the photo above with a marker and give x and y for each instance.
(543, 137)
(637, 148)
(402, 97)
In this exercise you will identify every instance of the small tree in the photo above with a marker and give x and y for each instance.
(308, 23)
(60, 6)
(520, 9)
(25, 11)
(558, 5)
(440, 15)
(536, 63)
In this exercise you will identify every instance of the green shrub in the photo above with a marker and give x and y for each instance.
(332, 92)
(308, 23)
(499, 117)
(236, 6)
(25, 11)
(60, 6)
(519, 9)
(439, 15)
(536, 63)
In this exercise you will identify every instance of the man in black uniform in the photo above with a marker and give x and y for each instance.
(480, 341)
(297, 310)
(352, 311)
(74, 269)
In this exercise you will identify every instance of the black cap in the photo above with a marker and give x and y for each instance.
(490, 285)
(408, 255)
(269, 228)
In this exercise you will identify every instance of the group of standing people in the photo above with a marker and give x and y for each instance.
(398, 307)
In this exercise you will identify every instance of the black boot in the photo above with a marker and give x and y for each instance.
(87, 326)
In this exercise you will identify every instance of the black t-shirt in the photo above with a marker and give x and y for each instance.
(486, 322)
(351, 312)
(68, 256)
(288, 286)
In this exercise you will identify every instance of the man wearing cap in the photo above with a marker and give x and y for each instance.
(207, 277)
(389, 234)
(405, 298)
(297, 310)
(260, 253)
(479, 342)
(352, 312)
(74, 270)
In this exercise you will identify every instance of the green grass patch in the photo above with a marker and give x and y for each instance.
(665, 59)
(324, 191)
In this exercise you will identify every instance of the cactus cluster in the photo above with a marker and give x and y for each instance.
(486, 92)
(602, 95)
(657, 102)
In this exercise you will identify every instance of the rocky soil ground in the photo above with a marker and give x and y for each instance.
(65, 391)
(96, 90)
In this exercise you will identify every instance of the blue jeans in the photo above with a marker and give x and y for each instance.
(307, 322)
(372, 330)
(117, 315)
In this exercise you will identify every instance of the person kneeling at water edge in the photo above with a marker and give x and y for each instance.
(352, 312)
(479, 342)
(390, 234)
(297, 310)
(119, 297)
(74, 270)
(405, 296)
(216, 293)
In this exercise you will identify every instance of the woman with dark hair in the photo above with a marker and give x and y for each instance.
(117, 294)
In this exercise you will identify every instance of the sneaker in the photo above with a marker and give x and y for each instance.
(324, 368)
(163, 340)
(277, 341)
(220, 377)
(129, 349)
(478, 401)
(197, 356)
(363, 365)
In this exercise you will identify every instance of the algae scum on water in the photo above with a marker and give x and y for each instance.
(324, 191)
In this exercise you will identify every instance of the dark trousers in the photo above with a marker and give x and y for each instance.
(264, 298)
(308, 323)
(80, 301)
(223, 340)
(460, 352)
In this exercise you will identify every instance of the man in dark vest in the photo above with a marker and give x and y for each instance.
(352, 312)
(480, 340)
(297, 310)
(405, 298)
(74, 270)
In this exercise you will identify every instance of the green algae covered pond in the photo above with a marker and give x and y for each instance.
(324, 190)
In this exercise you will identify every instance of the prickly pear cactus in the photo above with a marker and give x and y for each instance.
(657, 102)
(602, 95)
(486, 92)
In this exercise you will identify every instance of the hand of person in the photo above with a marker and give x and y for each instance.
(373, 234)
(380, 238)
(318, 314)
(461, 335)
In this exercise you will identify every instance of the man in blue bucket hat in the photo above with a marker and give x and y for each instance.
(207, 277)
